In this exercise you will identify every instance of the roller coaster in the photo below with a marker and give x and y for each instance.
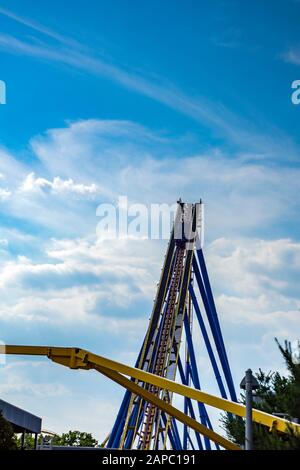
(167, 362)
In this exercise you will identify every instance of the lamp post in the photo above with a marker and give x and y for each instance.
(249, 383)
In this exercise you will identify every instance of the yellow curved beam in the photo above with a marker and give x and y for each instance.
(76, 358)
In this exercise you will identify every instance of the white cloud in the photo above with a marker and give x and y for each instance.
(256, 283)
(100, 260)
(80, 276)
(53, 393)
(292, 56)
(11, 169)
(77, 273)
(255, 263)
(4, 194)
(122, 157)
(14, 380)
(73, 284)
(81, 283)
(72, 308)
(58, 185)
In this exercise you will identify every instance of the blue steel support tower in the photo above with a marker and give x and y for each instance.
(184, 301)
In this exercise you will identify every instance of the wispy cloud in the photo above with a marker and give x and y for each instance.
(124, 158)
(292, 56)
(37, 27)
(230, 38)
(67, 51)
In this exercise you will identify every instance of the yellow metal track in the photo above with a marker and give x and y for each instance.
(76, 358)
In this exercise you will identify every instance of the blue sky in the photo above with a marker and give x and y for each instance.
(153, 101)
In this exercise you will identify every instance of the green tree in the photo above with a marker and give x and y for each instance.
(7, 437)
(29, 441)
(76, 439)
(275, 394)
(71, 438)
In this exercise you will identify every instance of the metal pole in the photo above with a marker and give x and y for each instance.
(35, 441)
(249, 422)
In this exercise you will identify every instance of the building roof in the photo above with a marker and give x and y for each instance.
(20, 419)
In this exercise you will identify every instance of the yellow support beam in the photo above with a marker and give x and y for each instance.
(169, 409)
(76, 358)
